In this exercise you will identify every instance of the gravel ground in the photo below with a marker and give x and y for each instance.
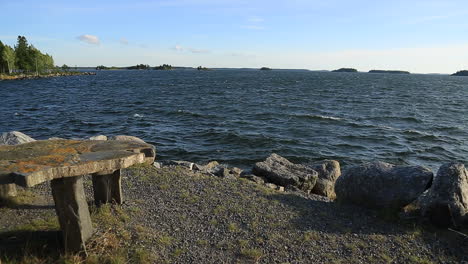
(180, 216)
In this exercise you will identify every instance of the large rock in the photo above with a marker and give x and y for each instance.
(281, 171)
(446, 202)
(382, 185)
(14, 138)
(126, 138)
(328, 173)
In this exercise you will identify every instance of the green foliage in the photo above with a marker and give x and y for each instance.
(24, 57)
(200, 68)
(164, 67)
(139, 67)
(102, 67)
(7, 58)
(65, 68)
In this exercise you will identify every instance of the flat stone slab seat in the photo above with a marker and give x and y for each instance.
(64, 162)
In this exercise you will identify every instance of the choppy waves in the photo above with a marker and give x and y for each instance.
(240, 117)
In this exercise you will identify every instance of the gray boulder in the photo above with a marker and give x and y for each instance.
(126, 138)
(328, 173)
(281, 171)
(14, 138)
(446, 202)
(381, 185)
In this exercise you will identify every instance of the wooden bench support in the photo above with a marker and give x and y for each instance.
(107, 187)
(7, 190)
(72, 211)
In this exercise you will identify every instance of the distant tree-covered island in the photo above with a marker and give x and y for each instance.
(164, 67)
(265, 69)
(24, 61)
(200, 68)
(345, 70)
(139, 67)
(390, 72)
(461, 73)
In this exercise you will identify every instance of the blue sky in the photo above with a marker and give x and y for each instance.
(419, 36)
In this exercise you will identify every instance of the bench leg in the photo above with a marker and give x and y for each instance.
(107, 187)
(72, 211)
(7, 190)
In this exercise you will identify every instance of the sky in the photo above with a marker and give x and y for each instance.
(421, 36)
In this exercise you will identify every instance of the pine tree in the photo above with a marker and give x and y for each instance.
(24, 60)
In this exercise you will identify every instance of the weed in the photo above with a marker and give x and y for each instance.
(252, 253)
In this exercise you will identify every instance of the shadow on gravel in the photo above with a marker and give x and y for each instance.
(333, 217)
(337, 218)
(29, 206)
(16, 245)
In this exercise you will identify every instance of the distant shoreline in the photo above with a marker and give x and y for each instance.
(50, 75)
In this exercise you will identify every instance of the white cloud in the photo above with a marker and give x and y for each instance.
(198, 50)
(178, 48)
(255, 19)
(90, 39)
(123, 41)
(254, 27)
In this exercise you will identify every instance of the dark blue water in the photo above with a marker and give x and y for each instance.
(240, 117)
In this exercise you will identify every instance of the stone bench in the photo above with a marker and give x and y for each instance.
(63, 163)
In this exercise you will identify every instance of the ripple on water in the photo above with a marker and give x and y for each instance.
(240, 117)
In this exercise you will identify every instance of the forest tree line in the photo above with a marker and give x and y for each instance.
(24, 58)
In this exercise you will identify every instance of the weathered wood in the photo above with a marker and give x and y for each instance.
(7, 190)
(107, 187)
(36, 162)
(72, 211)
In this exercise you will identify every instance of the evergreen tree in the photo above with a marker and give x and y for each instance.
(23, 54)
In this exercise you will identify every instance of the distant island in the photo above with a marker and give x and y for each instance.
(390, 72)
(345, 70)
(164, 67)
(265, 69)
(461, 73)
(200, 68)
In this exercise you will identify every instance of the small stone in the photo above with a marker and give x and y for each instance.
(254, 178)
(280, 188)
(182, 163)
(157, 165)
(271, 186)
(99, 137)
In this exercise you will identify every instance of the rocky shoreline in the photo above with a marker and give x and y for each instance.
(412, 191)
(41, 76)
(216, 213)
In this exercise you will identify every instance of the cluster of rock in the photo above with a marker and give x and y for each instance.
(49, 75)
(414, 190)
